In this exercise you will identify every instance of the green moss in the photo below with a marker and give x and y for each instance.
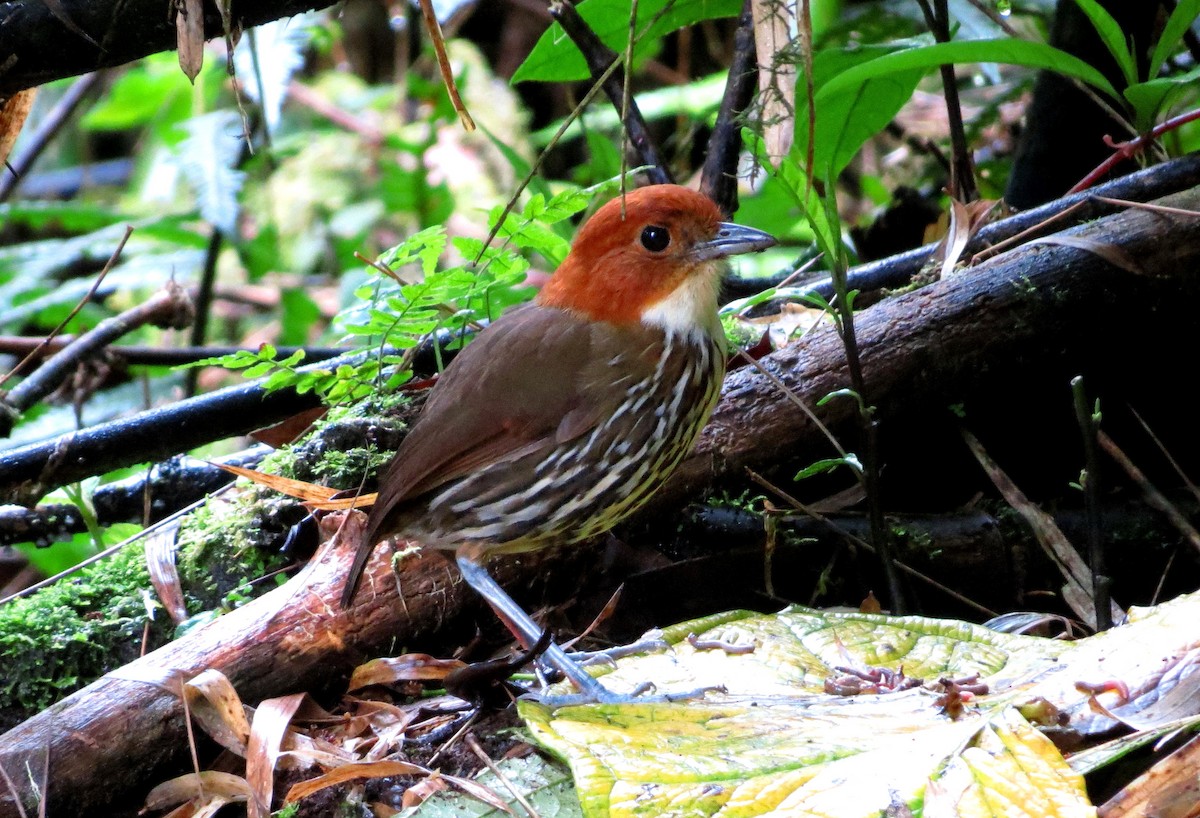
(349, 445)
(66, 636)
(59, 639)
(71, 633)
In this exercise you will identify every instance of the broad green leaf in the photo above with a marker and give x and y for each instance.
(1177, 24)
(1112, 36)
(846, 121)
(804, 193)
(828, 465)
(1149, 99)
(70, 216)
(156, 94)
(1010, 770)
(858, 91)
(556, 59)
(773, 741)
(927, 57)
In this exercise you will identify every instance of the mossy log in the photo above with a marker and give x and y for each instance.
(920, 346)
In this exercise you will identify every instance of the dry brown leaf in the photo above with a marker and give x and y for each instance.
(955, 231)
(194, 786)
(410, 667)
(271, 720)
(955, 241)
(12, 117)
(301, 751)
(773, 23)
(389, 738)
(476, 790)
(218, 710)
(1109, 252)
(342, 504)
(290, 429)
(164, 574)
(354, 771)
(417, 793)
(313, 495)
(1169, 789)
(189, 36)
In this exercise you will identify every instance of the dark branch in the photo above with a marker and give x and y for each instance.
(1160, 180)
(719, 177)
(599, 57)
(169, 486)
(27, 473)
(39, 46)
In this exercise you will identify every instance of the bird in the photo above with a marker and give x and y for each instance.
(564, 415)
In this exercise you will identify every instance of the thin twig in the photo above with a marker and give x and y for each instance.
(626, 99)
(1187, 481)
(108, 552)
(204, 299)
(718, 178)
(311, 99)
(1149, 206)
(1129, 149)
(537, 163)
(1011, 241)
(157, 356)
(1050, 537)
(169, 307)
(962, 168)
(794, 399)
(35, 353)
(443, 60)
(496, 771)
(601, 61)
(12, 789)
(450, 742)
(1090, 481)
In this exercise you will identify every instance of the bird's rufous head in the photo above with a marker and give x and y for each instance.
(659, 262)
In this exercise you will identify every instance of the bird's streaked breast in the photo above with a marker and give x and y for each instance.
(584, 486)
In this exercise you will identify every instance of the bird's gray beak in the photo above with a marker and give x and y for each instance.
(733, 239)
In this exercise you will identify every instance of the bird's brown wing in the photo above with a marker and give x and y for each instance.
(539, 376)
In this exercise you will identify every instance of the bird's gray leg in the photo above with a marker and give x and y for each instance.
(525, 629)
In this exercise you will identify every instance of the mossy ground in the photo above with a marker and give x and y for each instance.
(71, 633)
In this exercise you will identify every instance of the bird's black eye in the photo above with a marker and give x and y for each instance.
(655, 238)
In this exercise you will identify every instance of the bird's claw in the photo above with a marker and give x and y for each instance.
(602, 695)
(652, 642)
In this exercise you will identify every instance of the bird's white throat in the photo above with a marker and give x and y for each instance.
(691, 308)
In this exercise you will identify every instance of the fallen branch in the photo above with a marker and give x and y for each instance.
(118, 736)
(47, 41)
(926, 347)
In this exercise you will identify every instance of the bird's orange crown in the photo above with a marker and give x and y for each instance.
(647, 264)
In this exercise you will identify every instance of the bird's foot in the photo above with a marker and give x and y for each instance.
(596, 693)
(652, 642)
